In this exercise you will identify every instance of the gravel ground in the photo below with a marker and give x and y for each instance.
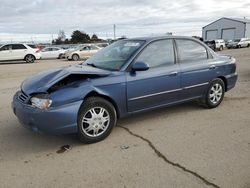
(181, 146)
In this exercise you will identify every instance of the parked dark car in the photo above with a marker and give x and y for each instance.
(127, 77)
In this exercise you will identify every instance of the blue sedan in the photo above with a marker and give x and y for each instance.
(127, 77)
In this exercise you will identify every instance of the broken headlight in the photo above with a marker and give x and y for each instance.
(41, 103)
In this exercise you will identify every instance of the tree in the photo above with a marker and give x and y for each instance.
(94, 38)
(79, 37)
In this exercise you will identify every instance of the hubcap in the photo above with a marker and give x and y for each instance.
(75, 57)
(95, 121)
(215, 93)
(30, 58)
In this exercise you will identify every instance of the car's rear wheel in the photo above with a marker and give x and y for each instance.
(215, 93)
(96, 119)
(75, 57)
(29, 58)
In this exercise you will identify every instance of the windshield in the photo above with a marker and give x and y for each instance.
(237, 40)
(113, 57)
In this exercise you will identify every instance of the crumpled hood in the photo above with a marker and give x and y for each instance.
(44, 80)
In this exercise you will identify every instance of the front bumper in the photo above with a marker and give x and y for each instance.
(55, 120)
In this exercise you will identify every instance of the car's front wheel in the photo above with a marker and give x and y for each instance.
(215, 93)
(96, 119)
(60, 56)
(29, 58)
(75, 57)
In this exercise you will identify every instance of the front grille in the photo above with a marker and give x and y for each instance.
(23, 97)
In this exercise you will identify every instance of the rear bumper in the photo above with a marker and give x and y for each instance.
(38, 55)
(231, 81)
(56, 120)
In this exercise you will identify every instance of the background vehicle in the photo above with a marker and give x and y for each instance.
(52, 52)
(218, 44)
(26, 52)
(127, 77)
(239, 43)
(83, 52)
(102, 45)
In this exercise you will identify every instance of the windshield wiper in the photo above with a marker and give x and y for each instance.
(91, 64)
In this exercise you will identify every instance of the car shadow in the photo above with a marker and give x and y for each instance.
(21, 141)
(160, 113)
(11, 62)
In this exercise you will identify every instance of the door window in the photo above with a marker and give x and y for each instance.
(18, 47)
(158, 53)
(190, 51)
(5, 48)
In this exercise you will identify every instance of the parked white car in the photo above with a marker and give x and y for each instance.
(52, 52)
(217, 44)
(82, 52)
(13, 52)
(220, 44)
(239, 43)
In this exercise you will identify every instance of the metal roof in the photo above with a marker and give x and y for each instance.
(243, 20)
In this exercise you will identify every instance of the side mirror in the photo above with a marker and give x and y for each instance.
(140, 66)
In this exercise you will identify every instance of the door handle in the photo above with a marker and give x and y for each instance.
(173, 73)
(212, 67)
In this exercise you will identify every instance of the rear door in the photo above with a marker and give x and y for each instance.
(84, 52)
(197, 68)
(46, 53)
(18, 51)
(160, 84)
(54, 53)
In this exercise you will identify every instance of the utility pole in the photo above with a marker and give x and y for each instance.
(114, 31)
(52, 38)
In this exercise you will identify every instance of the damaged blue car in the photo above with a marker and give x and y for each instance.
(127, 77)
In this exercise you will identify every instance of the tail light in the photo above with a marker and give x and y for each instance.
(38, 51)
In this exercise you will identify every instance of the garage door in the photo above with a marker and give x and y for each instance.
(211, 34)
(228, 34)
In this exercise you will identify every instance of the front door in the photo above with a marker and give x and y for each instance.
(5, 53)
(160, 84)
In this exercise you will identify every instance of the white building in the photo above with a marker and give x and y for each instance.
(227, 28)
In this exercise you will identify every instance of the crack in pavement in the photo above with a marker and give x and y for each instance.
(160, 155)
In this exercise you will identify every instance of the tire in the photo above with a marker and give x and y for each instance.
(96, 119)
(215, 93)
(60, 56)
(75, 57)
(221, 48)
(248, 45)
(239, 46)
(30, 58)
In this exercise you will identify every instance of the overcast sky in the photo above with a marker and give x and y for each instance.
(39, 19)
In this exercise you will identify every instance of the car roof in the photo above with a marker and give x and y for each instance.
(148, 39)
